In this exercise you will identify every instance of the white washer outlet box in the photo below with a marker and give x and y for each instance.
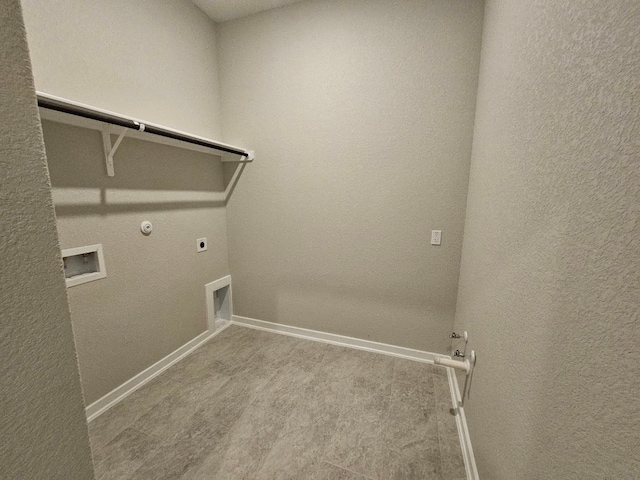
(201, 244)
(83, 264)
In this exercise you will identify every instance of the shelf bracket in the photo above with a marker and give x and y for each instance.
(110, 150)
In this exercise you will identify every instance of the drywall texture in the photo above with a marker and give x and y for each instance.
(150, 59)
(152, 300)
(550, 277)
(43, 429)
(361, 115)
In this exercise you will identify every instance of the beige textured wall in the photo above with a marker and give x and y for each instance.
(150, 59)
(152, 300)
(155, 60)
(42, 424)
(361, 115)
(550, 279)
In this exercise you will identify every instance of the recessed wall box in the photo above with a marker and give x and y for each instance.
(83, 264)
(219, 304)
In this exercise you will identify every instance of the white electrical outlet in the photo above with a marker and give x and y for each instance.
(201, 244)
(436, 237)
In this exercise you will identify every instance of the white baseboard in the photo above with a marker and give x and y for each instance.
(119, 393)
(334, 339)
(386, 349)
(116, 395)
(463, 430)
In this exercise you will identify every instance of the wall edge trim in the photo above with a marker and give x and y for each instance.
(118, 394)
(463, 430)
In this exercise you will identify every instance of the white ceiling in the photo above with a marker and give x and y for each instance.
(223, 10)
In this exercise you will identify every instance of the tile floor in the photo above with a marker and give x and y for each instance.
(256, 405)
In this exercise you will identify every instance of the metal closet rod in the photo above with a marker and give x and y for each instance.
(59, 105)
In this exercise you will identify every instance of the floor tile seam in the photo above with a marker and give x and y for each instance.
(445, 438)
(415, 447)
(423, 436)
(348, 469)
(440, 442)
(395, 450)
